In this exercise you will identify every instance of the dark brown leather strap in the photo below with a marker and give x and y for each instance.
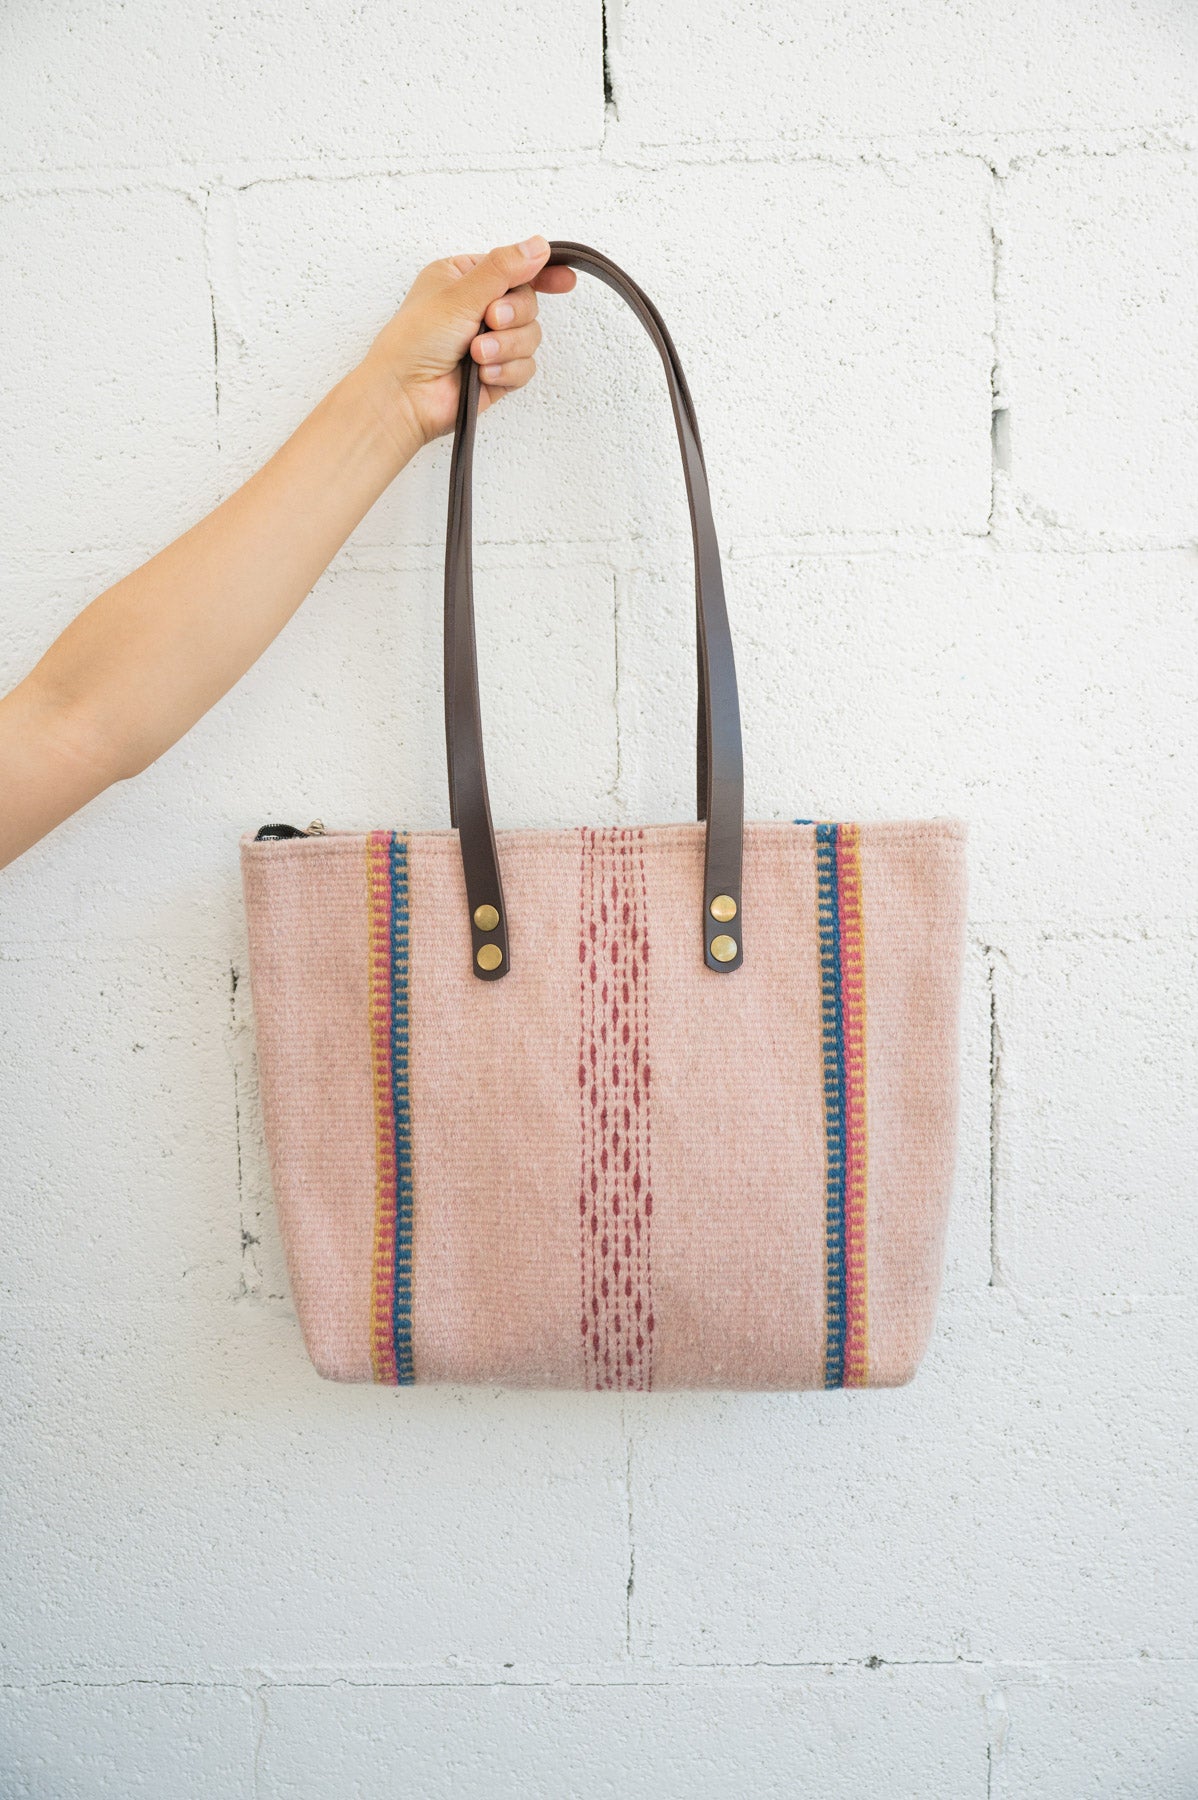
(720, 777)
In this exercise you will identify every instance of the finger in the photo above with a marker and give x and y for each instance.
(507, 266)
(509, 374)
(506, 346)
(556, 280)
(517, 307)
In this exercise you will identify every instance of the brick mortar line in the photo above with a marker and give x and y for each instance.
(320, 1678)
(1003, 150)
(606, 555)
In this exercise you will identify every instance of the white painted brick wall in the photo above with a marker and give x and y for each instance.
(870, 227)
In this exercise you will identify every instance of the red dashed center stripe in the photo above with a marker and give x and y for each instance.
(615, 1196)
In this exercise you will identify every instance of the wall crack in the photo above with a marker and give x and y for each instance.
(611, 109)
(993, 958)
(1000, 412)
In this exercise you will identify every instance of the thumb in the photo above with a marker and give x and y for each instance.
(505, 267)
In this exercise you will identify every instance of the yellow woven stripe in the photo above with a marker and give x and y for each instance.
(852, 974)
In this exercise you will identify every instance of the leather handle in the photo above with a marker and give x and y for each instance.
(720, 772)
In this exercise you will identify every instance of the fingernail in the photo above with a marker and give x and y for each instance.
(488, 347)
(491, 372)
(533, 246)
(505, 312)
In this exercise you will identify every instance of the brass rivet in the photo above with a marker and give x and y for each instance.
(486, 918)
(723, 948)
(723, 908)
(489, 957)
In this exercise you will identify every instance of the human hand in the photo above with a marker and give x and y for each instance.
(415, 357)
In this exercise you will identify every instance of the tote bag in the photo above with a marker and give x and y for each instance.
(614, 1106)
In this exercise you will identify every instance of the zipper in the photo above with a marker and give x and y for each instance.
(269, 833)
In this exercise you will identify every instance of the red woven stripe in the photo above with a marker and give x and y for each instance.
(614, 1197)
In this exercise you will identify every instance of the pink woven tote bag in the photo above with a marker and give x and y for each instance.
(656, 1106)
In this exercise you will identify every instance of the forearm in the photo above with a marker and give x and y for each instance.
(145, 660)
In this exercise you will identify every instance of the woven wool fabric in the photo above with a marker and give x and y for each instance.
(616, 1168)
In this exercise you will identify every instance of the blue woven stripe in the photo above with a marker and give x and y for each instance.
(401, 1302)
(835, 1109)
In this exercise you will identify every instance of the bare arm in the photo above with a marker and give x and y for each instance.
(145, 660)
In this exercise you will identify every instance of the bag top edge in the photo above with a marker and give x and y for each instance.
(681, 830)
